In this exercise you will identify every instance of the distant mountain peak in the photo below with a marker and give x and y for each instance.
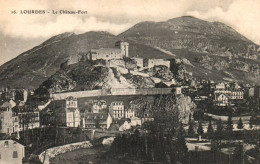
(185, 18)
(58, 37)
(97, 33)
(190, 37)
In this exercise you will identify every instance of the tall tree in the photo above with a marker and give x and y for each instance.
(200, 129)
(257, 150)
(210, 129)
(229, 124)
(251, 122)
(219, 126)
(181, 147)
(191, 132)
(238, 154)
(181, 131)
(240, 124)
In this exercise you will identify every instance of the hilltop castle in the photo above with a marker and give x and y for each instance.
(120, 51)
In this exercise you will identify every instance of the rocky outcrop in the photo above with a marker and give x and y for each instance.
(241, 66)
(173, 109)
(85, 76)
(212, 62)
(161, 72)
(185, 107)
(165, 109)
(139, 81)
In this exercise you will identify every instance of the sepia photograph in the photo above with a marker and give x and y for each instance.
(130, 82)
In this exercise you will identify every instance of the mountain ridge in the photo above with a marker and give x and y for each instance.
(185, 37)
(192, 38)
(34, 66)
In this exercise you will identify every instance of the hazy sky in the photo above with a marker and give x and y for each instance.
(20, 32)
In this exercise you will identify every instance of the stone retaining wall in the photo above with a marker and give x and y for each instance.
(113, 91)
(46, 155)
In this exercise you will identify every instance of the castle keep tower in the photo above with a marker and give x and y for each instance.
(123, 46)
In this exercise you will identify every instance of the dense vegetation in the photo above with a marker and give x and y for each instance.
(151, 146)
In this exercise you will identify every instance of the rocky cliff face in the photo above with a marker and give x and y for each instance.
(161, 72)
(85, 76)
(185, 107)
(165, 109)
(217, 63)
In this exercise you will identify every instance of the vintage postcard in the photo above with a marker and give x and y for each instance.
(129, 82)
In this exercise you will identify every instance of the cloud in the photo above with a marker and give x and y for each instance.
(62, 23)
(242, 15)
(115, 16)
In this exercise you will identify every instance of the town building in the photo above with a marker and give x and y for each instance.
(237, 94)
(9, 122)
(117, 109)
(11, 152)
(220, 86)
(15, 94)
(150, 63)
(251, 92)
(28, 116)
(9, 95)
(136, 121)
(66, 112)
(96, 120)
(223, 94)
(129, 113)
(72, 117)
(99, 106)
(72, 112)
(120, 125)
(221, 99)
(119, 52)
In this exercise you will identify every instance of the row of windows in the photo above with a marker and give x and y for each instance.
(94, 121)
(118, 108)
(7, 143)
(99, 106)
(118, 115)
(35, 114)
(117, 103)
(118, 111)
(237, 93)
(236, 97)
(72, 102)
